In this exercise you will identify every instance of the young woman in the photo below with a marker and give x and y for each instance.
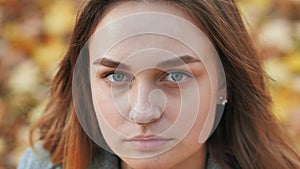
(153, 99)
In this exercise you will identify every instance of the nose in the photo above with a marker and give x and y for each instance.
(146, 117)
(146, 104)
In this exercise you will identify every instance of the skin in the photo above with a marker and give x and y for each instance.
(145, 100)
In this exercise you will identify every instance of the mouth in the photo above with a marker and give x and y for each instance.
(148, 142)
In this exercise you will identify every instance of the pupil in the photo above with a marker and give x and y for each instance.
(118, 77)
(177, 76)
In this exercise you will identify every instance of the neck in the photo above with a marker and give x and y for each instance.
(195, 161)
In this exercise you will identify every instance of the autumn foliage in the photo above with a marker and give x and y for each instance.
(34, 35)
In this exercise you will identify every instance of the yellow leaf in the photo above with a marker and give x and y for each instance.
(278, 71)
(59, 18)
(293, 62)
(48, 55)
(24, 78)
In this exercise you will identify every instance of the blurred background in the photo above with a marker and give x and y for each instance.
(34, 36)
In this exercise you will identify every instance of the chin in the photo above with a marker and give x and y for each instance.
(147, 163)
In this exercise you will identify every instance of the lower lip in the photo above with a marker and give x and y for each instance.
(149, 145)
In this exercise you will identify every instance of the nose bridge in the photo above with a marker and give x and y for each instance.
(142, 108)
(140, 93)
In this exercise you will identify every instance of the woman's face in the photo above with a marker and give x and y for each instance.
(151, 92)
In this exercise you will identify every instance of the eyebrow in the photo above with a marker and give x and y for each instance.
(110, 63)
(181, 60)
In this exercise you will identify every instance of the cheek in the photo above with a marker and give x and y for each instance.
(205, 99)
(105, 107)
(204, 105)
(172, 108)
(204, 123)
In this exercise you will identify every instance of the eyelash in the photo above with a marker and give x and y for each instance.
(106, 76)
(184, 74)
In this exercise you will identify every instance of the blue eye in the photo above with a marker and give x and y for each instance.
(176, 76)
(117, 77)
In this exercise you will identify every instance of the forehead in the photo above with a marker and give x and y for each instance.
(148, 42)
(123, 8)
(131, 28)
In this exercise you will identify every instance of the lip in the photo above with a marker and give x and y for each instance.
(148, 142)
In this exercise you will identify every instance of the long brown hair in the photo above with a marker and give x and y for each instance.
(248, 135)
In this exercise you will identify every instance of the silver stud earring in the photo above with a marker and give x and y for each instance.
(223, 100)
